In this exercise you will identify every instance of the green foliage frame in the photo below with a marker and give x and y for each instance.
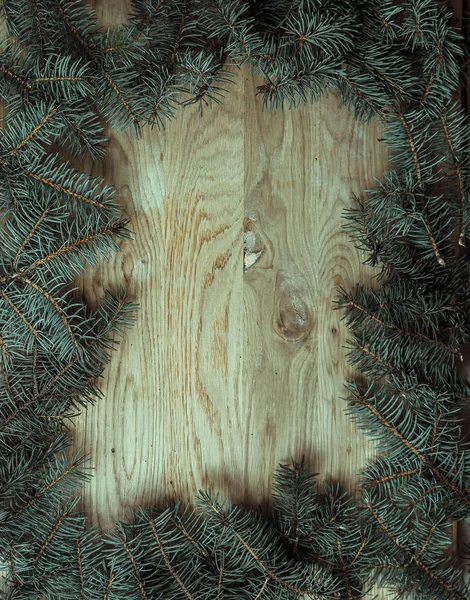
(62, 76)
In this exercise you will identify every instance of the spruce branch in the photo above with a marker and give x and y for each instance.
(63, 78)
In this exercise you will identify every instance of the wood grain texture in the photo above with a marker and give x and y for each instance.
(236, 361)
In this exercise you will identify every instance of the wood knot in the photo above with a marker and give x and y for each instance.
(293, 319)
(251, 253)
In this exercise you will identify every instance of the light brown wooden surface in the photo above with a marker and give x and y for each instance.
(228, 372)
(236, 361)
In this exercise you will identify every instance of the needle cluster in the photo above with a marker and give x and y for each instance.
(63, 80)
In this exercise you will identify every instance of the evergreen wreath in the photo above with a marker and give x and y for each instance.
(62, 76)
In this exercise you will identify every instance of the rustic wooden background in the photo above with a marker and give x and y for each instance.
(236, 362)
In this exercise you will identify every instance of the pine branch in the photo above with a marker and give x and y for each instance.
(29, 235)
(135, 568)
(63, 78)
(34, 132)
(171, 570)
(68, 191)
(20, 314)
(351, 302)
(37, 22)
(450, 590)
(419, 177)
(363, 400)
(55, 305)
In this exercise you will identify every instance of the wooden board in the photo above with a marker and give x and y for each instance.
(236, 361)
(227, 372)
